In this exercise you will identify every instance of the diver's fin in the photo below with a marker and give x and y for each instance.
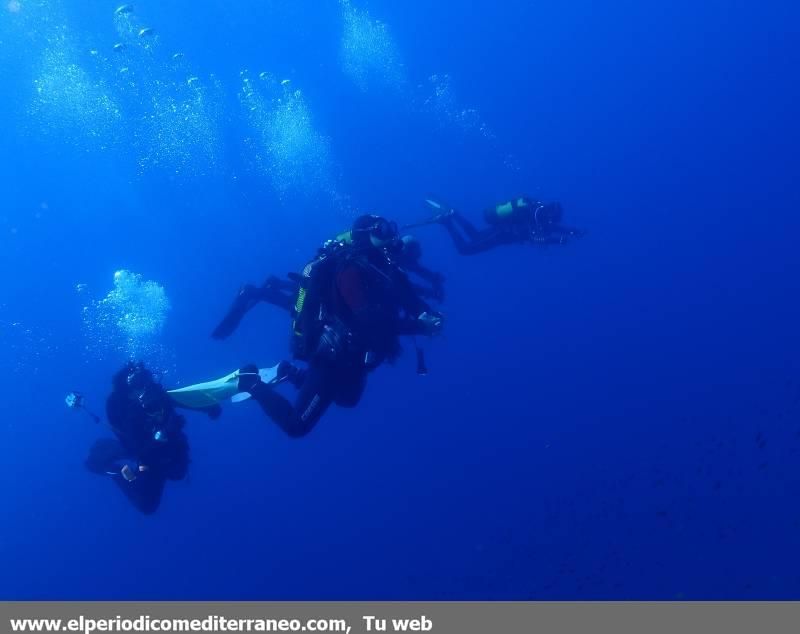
(206, 395)
(435, 204)
(247, 297)
(268, 376)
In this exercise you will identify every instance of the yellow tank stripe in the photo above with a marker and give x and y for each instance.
(506, 209)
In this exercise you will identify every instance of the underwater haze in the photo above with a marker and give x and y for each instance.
(617, 418)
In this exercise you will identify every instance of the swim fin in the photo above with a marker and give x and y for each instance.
(210, 393)
(435, 204)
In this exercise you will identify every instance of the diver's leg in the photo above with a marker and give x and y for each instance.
(313, 399)
(274, 291)
(280, 293)
(350, 388)
(476, 241)
(279, 298)
(144, 492)
(479, 242)
(247, 297)
(466, 226)
(104, 456)
(487, 240)
(460, 242)
(178, 464)
(108, 457)
(287, 285)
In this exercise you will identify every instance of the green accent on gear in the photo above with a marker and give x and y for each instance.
(346, 237)
(504, 210)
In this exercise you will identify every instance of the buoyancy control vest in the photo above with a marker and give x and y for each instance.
(308, 316)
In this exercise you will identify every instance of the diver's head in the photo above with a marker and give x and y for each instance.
(548, 215)
(138, 377)
(130, 374)
(372, 230)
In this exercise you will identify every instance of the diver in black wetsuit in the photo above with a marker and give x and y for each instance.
(354, 302)
(150, 446)
(519, 221)
(406, 252)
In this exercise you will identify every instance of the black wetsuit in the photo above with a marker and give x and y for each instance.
(135, 422)
(275, 291)
(370, 303)
(523, 227)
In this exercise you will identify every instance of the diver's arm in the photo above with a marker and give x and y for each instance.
(420, 318)
(560, 235)
(423, 272)
(427, 292)
(408, 327)
(408, 297)
(571, 232)
(436, 280)
(427, 324)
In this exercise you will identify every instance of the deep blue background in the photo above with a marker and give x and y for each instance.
(590, 425)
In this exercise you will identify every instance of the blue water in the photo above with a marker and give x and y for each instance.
(615, 419)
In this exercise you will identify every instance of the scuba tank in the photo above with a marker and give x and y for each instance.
(315, 332)
(508, 212)
(308, 315)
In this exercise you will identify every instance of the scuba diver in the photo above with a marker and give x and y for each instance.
(407, 253)
(355, 301)
(353, 304)
(518, 221)
(150, 446)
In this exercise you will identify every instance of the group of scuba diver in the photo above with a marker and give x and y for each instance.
(349, 307)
